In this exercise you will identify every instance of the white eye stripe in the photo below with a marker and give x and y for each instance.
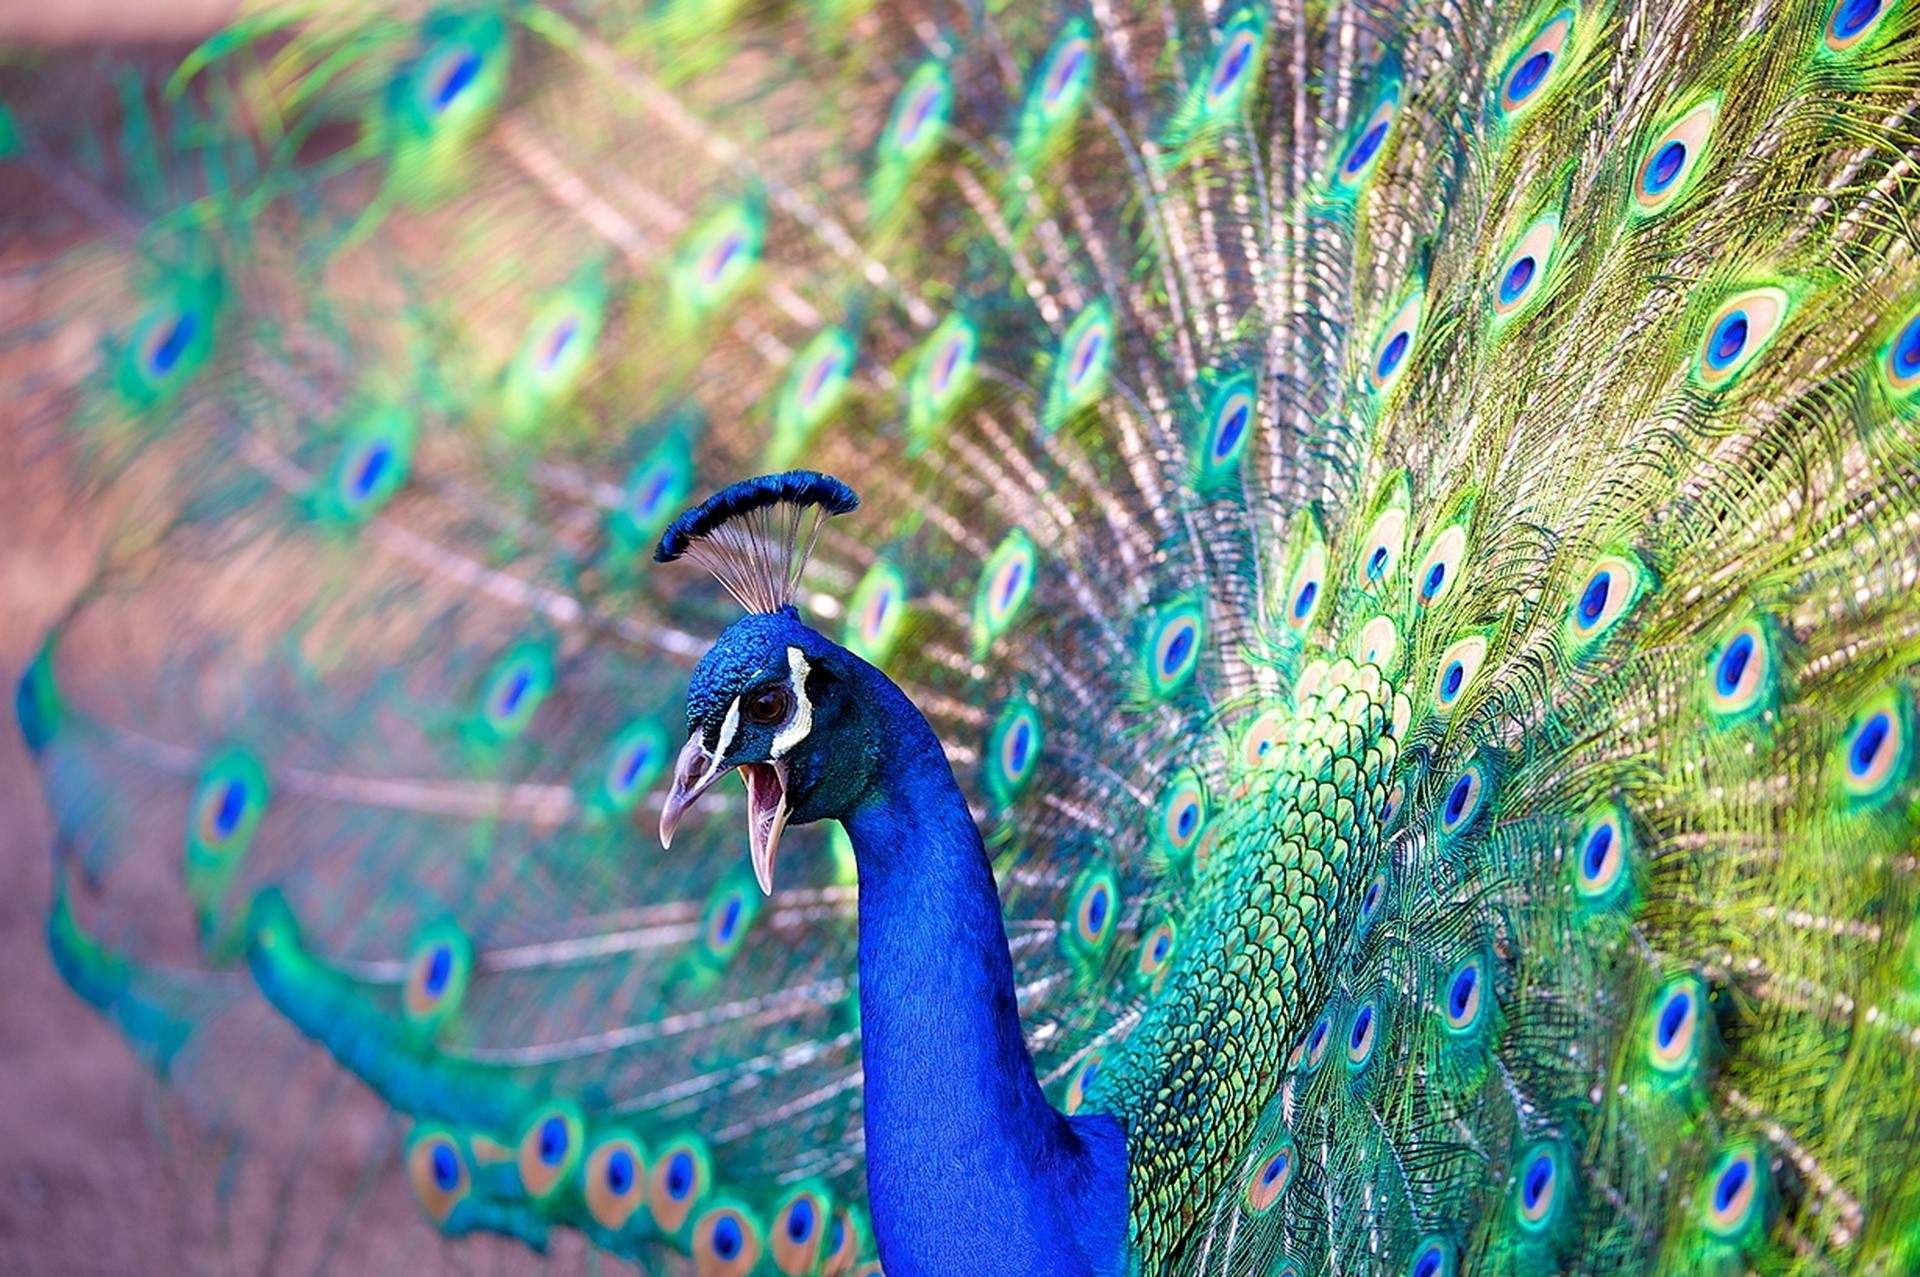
(728, 730)
(800, 722)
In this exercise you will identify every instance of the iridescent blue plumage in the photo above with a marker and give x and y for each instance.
(1366, 721)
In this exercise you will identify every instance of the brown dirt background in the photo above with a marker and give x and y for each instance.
(102, 1171)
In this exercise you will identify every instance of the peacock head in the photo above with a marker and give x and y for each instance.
(772, 699)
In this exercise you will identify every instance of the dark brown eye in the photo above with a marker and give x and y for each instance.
(768, 706)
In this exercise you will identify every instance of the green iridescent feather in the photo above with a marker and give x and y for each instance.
(1405, 527)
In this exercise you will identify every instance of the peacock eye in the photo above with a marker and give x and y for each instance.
(768, 706)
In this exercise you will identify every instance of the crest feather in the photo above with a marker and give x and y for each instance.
(755, 536)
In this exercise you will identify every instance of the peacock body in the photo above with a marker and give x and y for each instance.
(1403, 521)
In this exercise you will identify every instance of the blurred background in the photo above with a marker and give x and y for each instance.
(101, 1170)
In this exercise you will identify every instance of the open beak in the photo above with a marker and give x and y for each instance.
(694, 773)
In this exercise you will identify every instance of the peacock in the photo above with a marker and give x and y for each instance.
(1317, 607)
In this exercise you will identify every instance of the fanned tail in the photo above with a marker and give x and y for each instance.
(1403, 519)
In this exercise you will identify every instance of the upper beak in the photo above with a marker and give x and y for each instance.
(694, 773)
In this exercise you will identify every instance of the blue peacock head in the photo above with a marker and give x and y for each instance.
(772, 699)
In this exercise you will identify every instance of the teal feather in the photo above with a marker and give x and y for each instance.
(1402, 519)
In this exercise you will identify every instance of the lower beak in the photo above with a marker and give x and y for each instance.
(694, 773)
(766, 816)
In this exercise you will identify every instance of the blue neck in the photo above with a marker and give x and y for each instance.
(969, 1168)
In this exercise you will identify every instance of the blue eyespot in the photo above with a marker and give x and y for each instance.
(1875, 750)
(1307, 1056)
(1538, 1181)
(1465, 996)
(553, 1140)
(1016, 574)
(1303, 602)
(372, 466)
(463, 70)
(1014, 748)
(1593, 600)
(1370, 140)
(510, 699)
(1081, 1083)
(439, 970)
(1522, 277)
(1434, 1257)
(232, 806)
(1391, 349)
(1669, 160)
(639, 758)
(1528, 75)
(168, 352)
(1514, 284)
(727, 1237)
(1460, 995)
(1733, 664)
(1273, 1171)
(1227, 72)
(1673, 1018)
(1538, 63)
(1732, 1180)
(1666, 164)
(1867, 743)
(1459, 666)
(1851, 18)
(1060, 77)
(1904, 358)
(515, 692)
(1089, 351)
(1177, 648)
(1462, 800)
(1728, 341)
(610, 1180)
(1362, 1034)
(1370, 900)
(1736, 1200)
(1367, 147)
(729, 919)
(680, 1174)
(722, 256)
(446, 1167)
(800, 1222)
(546, 1154)
(1594, 859)
(1739, 672)
(1230, 432)
(1613, 587)
(1436, 577)
(620, 1172)
(557, 344)
(1740, 328)
(1094, 903)
(1377, 563)
(1391, 354)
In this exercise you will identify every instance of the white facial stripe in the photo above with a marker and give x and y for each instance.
(728, 730)
(802, 720)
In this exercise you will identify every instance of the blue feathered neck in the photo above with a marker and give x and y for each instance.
(969, 1168)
